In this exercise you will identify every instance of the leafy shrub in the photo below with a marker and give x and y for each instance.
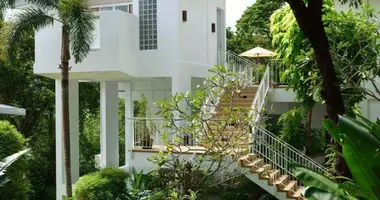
(293, 127)
(107, 184)
(11, 141)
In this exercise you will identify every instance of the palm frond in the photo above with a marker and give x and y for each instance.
(47, 4)
(4, 5)
(22, 23)
(76, 15)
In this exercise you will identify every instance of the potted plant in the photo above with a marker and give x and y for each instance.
(147, 126)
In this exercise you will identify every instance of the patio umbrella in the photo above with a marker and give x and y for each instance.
(258, 53)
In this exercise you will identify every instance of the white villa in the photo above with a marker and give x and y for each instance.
(159, 48)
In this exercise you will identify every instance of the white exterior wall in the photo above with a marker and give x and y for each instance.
(184, 49)
(117, 47)
(198, 45)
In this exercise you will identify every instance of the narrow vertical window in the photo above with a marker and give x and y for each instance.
(148, 24)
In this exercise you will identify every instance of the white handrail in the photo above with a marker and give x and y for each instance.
(235, 64)
(268, 146)
(260, 96)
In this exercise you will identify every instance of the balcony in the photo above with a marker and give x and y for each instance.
(113, 54)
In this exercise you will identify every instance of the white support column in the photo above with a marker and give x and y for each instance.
(129, 125)
(74, 136)
(109, 124)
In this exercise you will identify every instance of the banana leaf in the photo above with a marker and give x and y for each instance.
(365, 142)
(362, 173)
(313, 193)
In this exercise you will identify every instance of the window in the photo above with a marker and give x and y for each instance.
(148, 24)
(106, 8)
(122, 7)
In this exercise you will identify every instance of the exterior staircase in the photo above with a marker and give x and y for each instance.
(268, 160)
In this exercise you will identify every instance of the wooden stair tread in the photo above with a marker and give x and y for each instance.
(270, 174)
(290, 186)
(298, 193)
(262, 169)
(255, 163)
(281, 179)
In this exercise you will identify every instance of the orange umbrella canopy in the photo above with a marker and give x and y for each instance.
(258, 52)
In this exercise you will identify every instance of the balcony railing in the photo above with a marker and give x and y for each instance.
(154, 131)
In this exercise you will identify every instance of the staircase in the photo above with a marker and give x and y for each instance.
(269, 157)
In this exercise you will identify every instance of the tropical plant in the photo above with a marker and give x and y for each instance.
(309, 17)
(145, 126)
(7, 162)
(360, 140)
(78, 25)
(190, 116)
(354, 45)
(293, 127)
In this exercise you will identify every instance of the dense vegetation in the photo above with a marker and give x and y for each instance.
(354, 45)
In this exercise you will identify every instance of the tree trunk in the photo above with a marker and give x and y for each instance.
(65, 57)
(308, 127)
(309, 18)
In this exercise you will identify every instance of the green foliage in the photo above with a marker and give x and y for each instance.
(252, 29)
(11, 141)
(354, 44)
(241, 188)
(361, 142)
(75, 15)
(107, 184)
(6, 163)
(89, 139)
(293, 127)
(318, 141)
(20, 87)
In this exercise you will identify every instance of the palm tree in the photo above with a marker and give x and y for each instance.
(78, 25)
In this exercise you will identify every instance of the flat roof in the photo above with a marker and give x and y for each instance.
(10, 110)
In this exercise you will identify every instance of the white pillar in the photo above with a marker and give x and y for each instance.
(74, 135)
(109, 124)
(129, 125)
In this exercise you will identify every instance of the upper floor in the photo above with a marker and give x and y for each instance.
(142, 39)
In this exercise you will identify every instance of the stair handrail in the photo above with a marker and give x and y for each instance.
(260, 96)
(237, 64)
(267, 138)
(232, 61)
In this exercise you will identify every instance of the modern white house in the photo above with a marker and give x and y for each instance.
(159, 48)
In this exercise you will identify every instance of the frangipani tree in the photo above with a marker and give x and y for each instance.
(78, 25)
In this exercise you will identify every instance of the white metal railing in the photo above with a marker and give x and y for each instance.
(149, 131)
(277, 71)
(260, 96)
(279, 154)
(237, 64)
